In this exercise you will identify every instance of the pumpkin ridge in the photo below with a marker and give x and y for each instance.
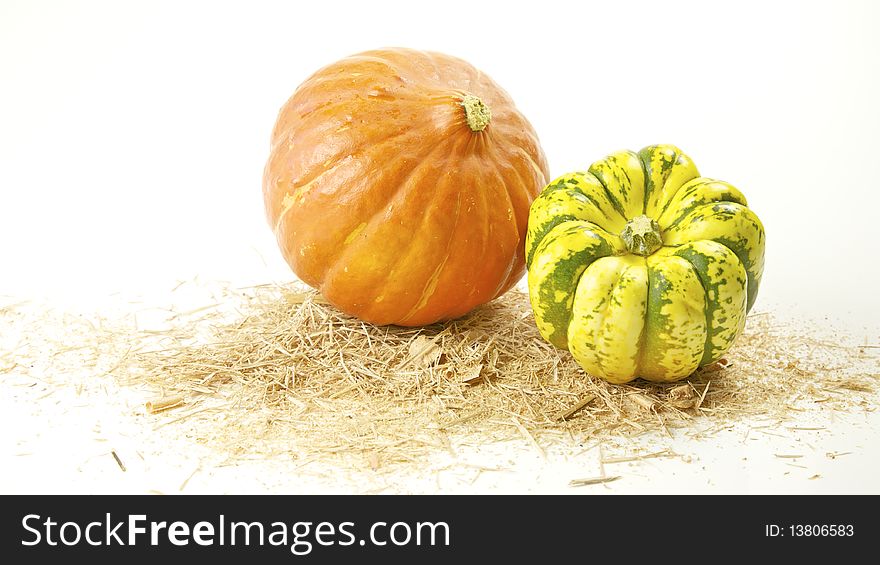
(376, 146)
(399, 60)
(519, 235)
(517, 131)
(343, 94)
(518, 192)
(371, 57)
(338, 261)
(299, 191)
(535, 166)
(429, 56)
(435, 276)
(522, 184)
(470, 73)
(542, 177)
(484, 207)
(376, 143)
(403, 62)
(279, 134)
(416, 162)
(340, 251)
(364, 145)
(422, 300)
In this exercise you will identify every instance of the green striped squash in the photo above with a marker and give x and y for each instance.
(640, 267)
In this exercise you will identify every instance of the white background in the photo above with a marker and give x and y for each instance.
(133, 134)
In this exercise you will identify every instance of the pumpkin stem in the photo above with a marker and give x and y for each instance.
(641, 235)
(478, 114)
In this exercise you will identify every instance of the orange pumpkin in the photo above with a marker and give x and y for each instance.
(399, 184)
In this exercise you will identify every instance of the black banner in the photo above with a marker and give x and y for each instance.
(288, 529)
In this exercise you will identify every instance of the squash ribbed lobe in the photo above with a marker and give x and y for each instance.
(641, 267)
(399, 184)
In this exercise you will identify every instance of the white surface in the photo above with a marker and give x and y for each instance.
(133, 137)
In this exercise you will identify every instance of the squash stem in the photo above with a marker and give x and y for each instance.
(477, 114)
(641, 235)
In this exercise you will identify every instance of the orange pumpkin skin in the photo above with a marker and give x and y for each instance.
(384, 198)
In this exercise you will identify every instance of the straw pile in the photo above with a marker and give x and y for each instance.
(272, 370)
(290, 372)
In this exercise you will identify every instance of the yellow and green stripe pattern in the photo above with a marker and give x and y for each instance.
(623, 315)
